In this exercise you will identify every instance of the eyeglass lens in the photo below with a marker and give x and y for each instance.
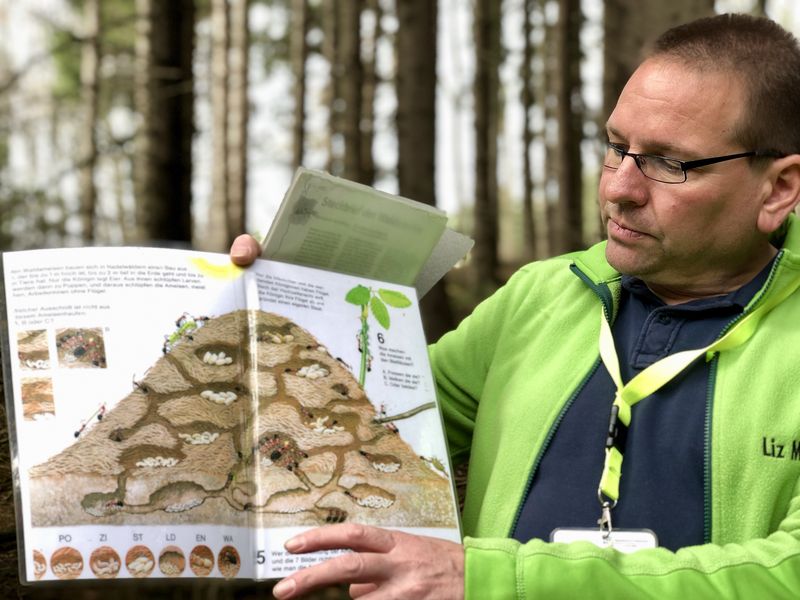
(655, 167)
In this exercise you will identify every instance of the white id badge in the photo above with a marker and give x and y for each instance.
(624, 540)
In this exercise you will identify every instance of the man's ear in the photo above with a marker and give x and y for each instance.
(781, 192)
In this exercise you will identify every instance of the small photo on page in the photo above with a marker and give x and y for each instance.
(37, 399)
(81, 348)
(32, 350)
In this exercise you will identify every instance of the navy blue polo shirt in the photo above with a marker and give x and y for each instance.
(662, 486)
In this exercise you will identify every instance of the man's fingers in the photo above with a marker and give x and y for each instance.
(360, 538)
(244, 250)
(356, 567)
(364, 566)
(361, 589)
(384, 564)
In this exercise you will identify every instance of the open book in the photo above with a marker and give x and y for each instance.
(175, 416)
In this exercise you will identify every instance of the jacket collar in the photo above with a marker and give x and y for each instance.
(592, 267)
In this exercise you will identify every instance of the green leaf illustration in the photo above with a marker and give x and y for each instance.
(380, 311)
(395, 299)
(359, 295)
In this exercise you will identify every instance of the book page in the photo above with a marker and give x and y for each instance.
(348, 427)
(109, 458)
(338, 225)
(175, 416)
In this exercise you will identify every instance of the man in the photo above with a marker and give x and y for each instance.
(701, 176)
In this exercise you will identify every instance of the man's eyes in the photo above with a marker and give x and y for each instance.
(665, 164)
(618, 148)
(662, 163)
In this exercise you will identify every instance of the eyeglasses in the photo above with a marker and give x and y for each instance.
(664, 169)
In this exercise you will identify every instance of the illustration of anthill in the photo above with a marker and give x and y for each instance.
(374, 301)
(217, 430)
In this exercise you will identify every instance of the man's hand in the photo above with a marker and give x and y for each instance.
(383, 564)
(244, 250)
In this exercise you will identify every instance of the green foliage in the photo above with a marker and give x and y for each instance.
(117, 44)
(274, 51)
(4, 152)
(379, 311)
(202, 8)
(394, 299)
(377, 301)
(119, 26)
(272, 42)
(373, 302)
(67, 59)
(359, 295)
(31, 218)
(5, 117)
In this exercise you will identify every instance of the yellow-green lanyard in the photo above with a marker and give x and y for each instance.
(651, 380)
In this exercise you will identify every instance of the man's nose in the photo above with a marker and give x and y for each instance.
(625, 184)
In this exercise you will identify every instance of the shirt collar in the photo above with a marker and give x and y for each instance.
(738, 298)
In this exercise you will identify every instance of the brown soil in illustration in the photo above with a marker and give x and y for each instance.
(171, 561)
(32, 349)
(139, 561)
(39, 564)
(81, 348)
(37, 398)
(66, 563)
(201, 561)
(105, 563)
(229, 561)
(263, 432)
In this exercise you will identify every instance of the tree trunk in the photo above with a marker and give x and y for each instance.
(298, 55)
(5, 110)
(90, 92)
(486, 31)
(369, 87)
(165, 101)
(239, 109)
(570, 127)
(416, 130)
(121, 222)
(549, 52)
(349, 41)
(527, 100)
(216, 235)
(330, 49)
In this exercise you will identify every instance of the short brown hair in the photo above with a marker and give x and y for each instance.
(767, 59)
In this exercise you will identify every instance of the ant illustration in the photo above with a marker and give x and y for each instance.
(185, 326)
(142, 387)
(388, 424)
(99, 413)
(344, 363)
(360, 349)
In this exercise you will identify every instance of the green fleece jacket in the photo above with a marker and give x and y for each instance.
(504, 378)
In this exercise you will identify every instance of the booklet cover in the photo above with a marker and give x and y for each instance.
(338, 225)
(172, 415)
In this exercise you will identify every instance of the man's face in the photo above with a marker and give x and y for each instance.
(700, 233)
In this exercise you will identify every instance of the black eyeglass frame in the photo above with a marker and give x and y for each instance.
(685, 165)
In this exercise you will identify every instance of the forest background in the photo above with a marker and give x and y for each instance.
(179, 123)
